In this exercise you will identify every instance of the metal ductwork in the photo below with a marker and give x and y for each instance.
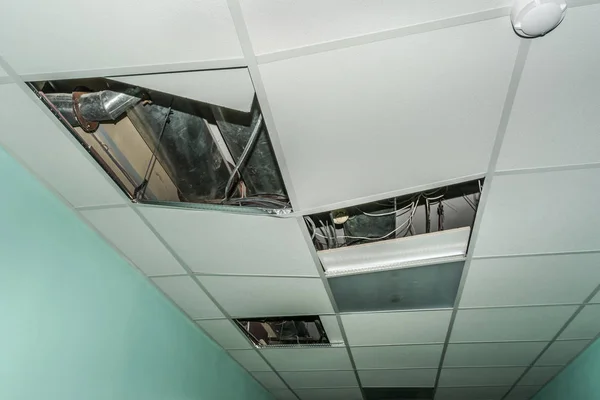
(88, 109)
(184, 148)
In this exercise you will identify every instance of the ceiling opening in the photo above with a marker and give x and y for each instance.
(403, 253)
(393, 393)
(284, 331)
(162, 148)
(437, 210)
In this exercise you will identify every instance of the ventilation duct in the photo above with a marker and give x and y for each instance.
(163, 148)
(88, 109)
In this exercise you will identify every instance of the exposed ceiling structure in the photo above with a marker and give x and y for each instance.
(363, 102)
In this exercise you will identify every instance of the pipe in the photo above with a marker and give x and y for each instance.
(85, 109)
(64, 104)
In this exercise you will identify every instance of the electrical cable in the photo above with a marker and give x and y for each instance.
(324, 229)
(427, 216)
(470, 202)
(386, 213)
(139, 191)
(312, 225)
(440, 212)
(243, 156)
(333, 231)
(409, 220)
(256, 199)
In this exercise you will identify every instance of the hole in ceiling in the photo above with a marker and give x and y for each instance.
(398, 393)
(284, 331)
(161, 148)
(402, 253)
(437, 210)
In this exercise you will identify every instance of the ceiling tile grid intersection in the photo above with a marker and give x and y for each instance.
(338, 324)
(509, 374)
(318, 77)
(41, 136)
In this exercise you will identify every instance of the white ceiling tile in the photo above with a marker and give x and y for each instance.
(188, 295)
(522, 392)
(280, 25)
(553, 215)
(503, 324)
(414, 356)
(330, 394)
(539, 375)
(225, 333)
(396, 327)
(332, 328)
(498, 376)
(183, 32)
(320, 379)
(250, 360)
(306, 359)
(247, 297)
(492, 354)
(586, 324)
(263, 244)
(37, 140)
(230, 88)
(374, 106)
(471, 393)
(398, 378)
(555, 279)
(124, 228)
(270, 380)
(283, 394)
(554, 119)
(561, 352)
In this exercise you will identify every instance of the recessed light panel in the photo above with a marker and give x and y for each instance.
(431, 286)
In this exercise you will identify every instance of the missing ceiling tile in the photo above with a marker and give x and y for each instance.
(442, 209)
(162, 148)
(284, 331)
(398, 393)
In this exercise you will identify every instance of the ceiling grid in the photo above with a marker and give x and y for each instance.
(508, 103)
(553, 340)
(304, 229)
(432, 347)
(205, 291)
(384, 35)
(261, 93)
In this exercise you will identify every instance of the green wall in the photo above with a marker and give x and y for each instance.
(579, 381)
(79, 323)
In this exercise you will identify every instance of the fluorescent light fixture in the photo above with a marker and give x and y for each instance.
(413, 251)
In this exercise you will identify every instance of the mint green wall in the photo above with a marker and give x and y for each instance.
(78, 323)
(579, 381)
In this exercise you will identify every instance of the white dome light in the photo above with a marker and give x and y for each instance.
(533, 18)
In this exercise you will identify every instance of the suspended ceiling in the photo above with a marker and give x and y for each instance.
(363, 101)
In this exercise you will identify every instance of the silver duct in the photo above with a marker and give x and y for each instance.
(87, 109)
